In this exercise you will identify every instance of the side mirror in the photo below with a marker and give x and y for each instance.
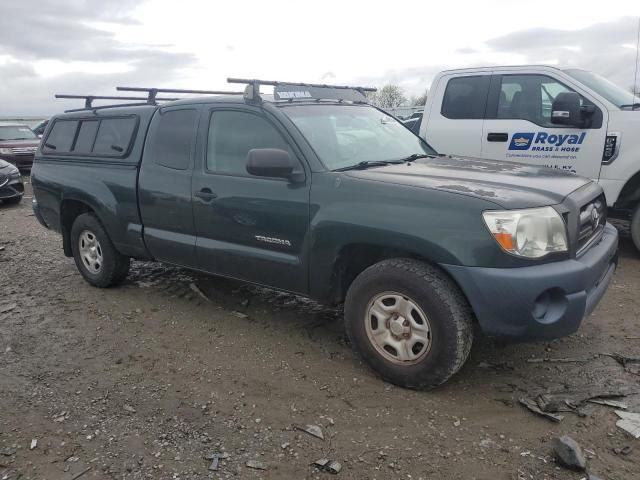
(565, 110)
(270, 162)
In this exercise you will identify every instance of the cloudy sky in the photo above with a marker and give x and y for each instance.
(90, 46)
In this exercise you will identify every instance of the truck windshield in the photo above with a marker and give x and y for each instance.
(345, 135)
(16, 132)
(605, 88)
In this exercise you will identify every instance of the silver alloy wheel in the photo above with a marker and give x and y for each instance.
(90, 251)
(398, 328)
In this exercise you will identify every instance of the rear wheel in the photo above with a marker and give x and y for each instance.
(409, 322)
(96, 258)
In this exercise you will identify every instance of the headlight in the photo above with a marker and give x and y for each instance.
(5, 151)
(531, 233)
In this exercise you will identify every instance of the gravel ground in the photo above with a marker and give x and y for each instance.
(150, 379)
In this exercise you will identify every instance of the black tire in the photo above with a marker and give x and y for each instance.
(114, 266)
(635, 227)
(448, 316)
(12, 200)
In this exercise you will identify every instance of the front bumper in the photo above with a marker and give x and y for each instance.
(12, 189)
(539, 302)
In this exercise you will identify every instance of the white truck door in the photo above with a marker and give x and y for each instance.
(455, 116)
(518, 126)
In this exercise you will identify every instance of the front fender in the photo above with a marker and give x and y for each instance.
(439, 227)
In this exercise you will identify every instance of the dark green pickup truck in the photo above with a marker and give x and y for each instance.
(312, 191)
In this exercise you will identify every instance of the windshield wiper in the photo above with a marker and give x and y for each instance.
(416, 156)
(632, 106)
(369, 163)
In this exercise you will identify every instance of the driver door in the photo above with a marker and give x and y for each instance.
(250, 228)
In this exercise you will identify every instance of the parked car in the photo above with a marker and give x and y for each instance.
(337, 201)
(413, 123)
(569, 119)
(18, 144)
(11, 187)
(40, 128)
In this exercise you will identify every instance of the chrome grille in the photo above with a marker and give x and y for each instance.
(593, 217)
(3, 180)
(24, 150)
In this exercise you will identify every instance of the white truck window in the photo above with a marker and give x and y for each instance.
(528, 97)
(466, 97)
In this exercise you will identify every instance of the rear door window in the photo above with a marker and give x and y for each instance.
(114, 136)
(61, 136)
(172, 140)
(466, 97)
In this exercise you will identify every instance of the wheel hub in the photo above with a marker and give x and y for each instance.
(398, 328)
(90, 251)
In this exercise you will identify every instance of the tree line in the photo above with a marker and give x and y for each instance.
(392, 96)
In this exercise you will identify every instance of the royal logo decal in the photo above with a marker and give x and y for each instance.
(545, 141)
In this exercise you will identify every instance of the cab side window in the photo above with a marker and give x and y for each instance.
(232, 134)
(528, 97)
(173, 137)
(466, 97)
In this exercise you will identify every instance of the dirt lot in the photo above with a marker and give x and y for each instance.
(148, 379)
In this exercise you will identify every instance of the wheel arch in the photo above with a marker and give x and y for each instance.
(70, 209)
(353, 258)
(630, 194)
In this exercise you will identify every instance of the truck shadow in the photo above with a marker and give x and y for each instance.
(304, 320)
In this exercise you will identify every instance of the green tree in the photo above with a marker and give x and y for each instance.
(389, 96)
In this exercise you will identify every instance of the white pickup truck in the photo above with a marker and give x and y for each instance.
(569, 119)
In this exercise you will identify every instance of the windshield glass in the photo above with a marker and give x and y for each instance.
(16, 133)
(607, 89)
(345, 135)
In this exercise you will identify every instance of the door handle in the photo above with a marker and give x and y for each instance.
(206, 194)
(497, 137)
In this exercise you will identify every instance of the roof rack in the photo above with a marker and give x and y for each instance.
(151, 98)
(310, 91)
(153, 92)
(88, 99)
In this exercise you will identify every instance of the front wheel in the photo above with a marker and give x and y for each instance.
(409, 322)
(96, 258)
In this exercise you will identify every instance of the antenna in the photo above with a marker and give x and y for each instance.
(635, 77)
(153, 92)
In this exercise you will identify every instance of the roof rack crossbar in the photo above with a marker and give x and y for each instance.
(275, 83)
(252, 90)
(102, 107)
(88, 99)
(153, 92)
